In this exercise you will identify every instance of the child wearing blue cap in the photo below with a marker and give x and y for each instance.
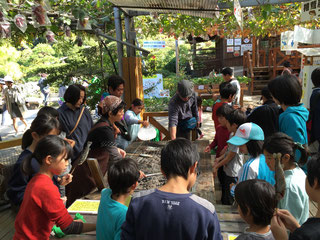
(249, 137)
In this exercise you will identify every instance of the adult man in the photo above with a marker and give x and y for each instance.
(44, 88)
(227, 74)
(183, 111)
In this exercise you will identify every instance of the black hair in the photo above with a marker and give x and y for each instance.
(49, 145)
(266, 93)
(286, 64)
(254, 147)
(177, 157)
(48, 111)
(313, 167)
(259, 197)
(237, 116)
(42, 125)
(315, 77)
(121, 106)
(114, 81)
(224, 110)
(137, 102)
(281, 143)
(123, 174)
(227, 71)
(226, 89)
(199, 101)
(286, 89)
(72, 94)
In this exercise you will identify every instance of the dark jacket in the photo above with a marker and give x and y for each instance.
(315, 114)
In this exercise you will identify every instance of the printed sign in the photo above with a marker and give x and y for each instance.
(229, 49)
(154, 44)
(245, 47)
(237, 41)
(153, 87)
(310, 10)
(287, 42)
(229, 42)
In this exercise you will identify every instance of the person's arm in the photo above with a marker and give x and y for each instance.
(173, 133)
(194, 109)
(214, 231)
(127, 228)
(227, 159)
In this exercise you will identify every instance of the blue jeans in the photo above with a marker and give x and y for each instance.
(46, 96)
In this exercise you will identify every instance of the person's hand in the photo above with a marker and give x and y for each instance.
(66, 179)
(215, 172)
(71, 142)
(278, 228)
(142, 175)
(64, 200)
(207, 149)
(288, 220)
(145, 123)
(116, 130)
(122, 152)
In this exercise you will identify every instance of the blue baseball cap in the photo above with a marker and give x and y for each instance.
(245, 133)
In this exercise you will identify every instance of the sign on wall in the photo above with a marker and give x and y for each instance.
(153, 87)
(154, 44)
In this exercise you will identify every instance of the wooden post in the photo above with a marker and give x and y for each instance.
(177, 57)
(117, 23)
(130, 35)
(132, 74)
(96, 173)
(254, 50)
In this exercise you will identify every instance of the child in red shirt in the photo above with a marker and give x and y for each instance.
(227, 92)
(42, 206)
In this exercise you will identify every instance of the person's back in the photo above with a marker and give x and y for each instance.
(122, 178)
(172, 212)
(163, 215)
(315, 107)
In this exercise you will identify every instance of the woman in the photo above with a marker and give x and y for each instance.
(103, 148)
(75, 119)
(14, 102)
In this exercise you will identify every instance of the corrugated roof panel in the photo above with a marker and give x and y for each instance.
(199, 8)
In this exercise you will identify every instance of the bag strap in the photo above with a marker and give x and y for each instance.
(77, 123)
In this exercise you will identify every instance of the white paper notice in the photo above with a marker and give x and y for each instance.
(237, 41)
(229, 42)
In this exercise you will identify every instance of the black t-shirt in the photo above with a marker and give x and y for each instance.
(310, 230)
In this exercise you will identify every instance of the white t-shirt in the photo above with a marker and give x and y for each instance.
(232, 168)
(236, 83)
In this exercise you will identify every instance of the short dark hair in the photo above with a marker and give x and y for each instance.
(48, 111)
(315, 77)
(286, 89)
(281, 143)
(254, 147)
(226, 89)
(227, 71)
(177, 157)
(313, 167)
(236, 116)
(286, 64)
(122, 175)
(137, 102)
(114, 81)
(72, 94)
(259, 197)
(266, 93)
(224, 110)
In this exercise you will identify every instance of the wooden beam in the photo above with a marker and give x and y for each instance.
(161, 128)
(155, 114)
(96, 173)
(10, 143)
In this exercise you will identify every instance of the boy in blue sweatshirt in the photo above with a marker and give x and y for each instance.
(172, 212)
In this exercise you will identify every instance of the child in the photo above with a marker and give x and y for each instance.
(123, 178)
(42, 206)
(227, 74)
(287, 91)
(295, 198)
(315, 108)
(227, 92)
(133, 119)
(249, 137)
(200, 112)
(41, 126)
(232, 160)
(283, 220)
(256, 205)
(172, 212)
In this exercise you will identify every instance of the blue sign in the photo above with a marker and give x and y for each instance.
(154, 44)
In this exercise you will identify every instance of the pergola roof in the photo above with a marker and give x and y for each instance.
(199, 8)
